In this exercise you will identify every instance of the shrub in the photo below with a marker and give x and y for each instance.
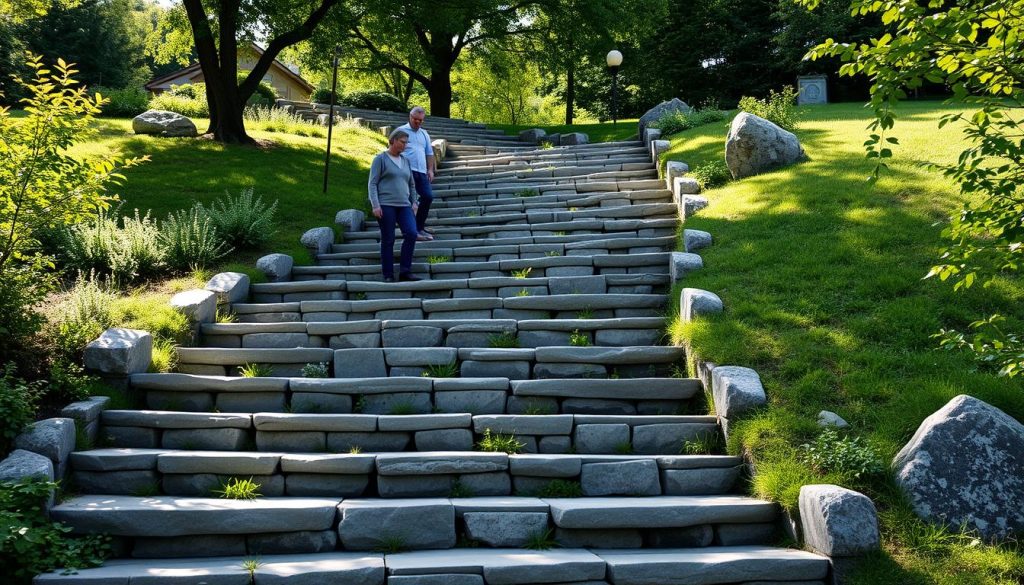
(673, 122)
(68, 382)
(192, 91)
(848, 456)
(181, 104)
(278, 120)
(711, 174)
(190, 239)
(126, 251)
(242, 222)
(21, 288)
(123, 103)
(18, 402)
(265, 94)
(373, 100)
(778, 107)
(318, 370)
(31, 544)
(82, 315)
(323, 96)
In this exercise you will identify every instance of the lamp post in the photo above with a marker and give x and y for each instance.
(330, 117)
(614, 59)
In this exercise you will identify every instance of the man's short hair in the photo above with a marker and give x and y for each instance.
(417, 110)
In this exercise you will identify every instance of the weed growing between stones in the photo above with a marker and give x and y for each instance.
(558, 233)
(359, 296)
(586, 313)
(239, 489)
(527, 193)
(251, 565)
(561, 488)
(579, 339)
(541, 541)
(524, 273)
(505, 339)
(442, 371)
(225, 316)
(358, 403)
(545, 145)
(535, 409)
(552, 253)
(355, 450)
(391, 545)
(499, 443)
(402, 408)
(256, 371)
(624, 448)
(438, 259)
(459, 490)
(523, 293)
(703, 444)
(318, 370)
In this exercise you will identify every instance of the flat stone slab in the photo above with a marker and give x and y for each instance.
(360, 385)
(502, 566)
(335, 463)
(622, 389)
(707, 566)
(415, 523)
(275, 421)
(498, 504)
(172, 516)
(157, 419)
(424, 422)
(505, 528)
(115, 459)
(440, 462)
(524, 424)
(196, 383)
(21, 464)
(316, 569)
(222, 571)
(220, 462)
(545, 465)
(610, 355)
(658, 512)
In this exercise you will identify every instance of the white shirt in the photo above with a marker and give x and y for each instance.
(418, 148)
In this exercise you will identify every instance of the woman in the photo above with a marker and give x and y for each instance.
(394, 201)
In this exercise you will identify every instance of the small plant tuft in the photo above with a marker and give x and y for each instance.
(586, 313)
(623, 448)
(541, 541)
(355, 450)
(442, 371)
(711, 174)
(561, 488)
(523, 292)
(848, 456)
(579, 339)
(256, 371)
(243, 222)
(438, 259)
(317, 370)
(527, 193)
(499, 443)
(460, 490)
(402, 408)
(523, 273)
(239, 489)
(703, 444)
(391, 545)
(505, 339)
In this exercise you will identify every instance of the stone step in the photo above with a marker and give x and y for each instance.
(581, 151)
(479, 566)
(558, 306)
(552, 201)
(437, 333)
(450, 244)
(528, 219)
(411, 361)
(200, 393)
(389, 475)
(566, 168)
(622, 161)
(559, 176)
(579, 186)
(658, 226)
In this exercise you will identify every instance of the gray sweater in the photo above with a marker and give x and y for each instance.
(391, 184)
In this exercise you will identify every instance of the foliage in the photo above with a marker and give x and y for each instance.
(255, 371)
(128, 102)
(165, 356)
(239, 489)
(676, 121)
(18, 402)
(711, 174)
(579, 339)
(779, 107)
(505, 339)
(186, 106)
(459, 490)
(391, 545)
(442, 370)
(190, 239)
(522, 272)
(850, 456)
(498, 86)
(318, 370)
(544, 540)
(125, 251)
(499, 443)
(192, 91)
(561, 488)
(527, 192)
(703, 444)
(242, 222)
(265, 94)
(373, 100)
(973, 48)
(82, 315)
(31, 544)
(322, 95)
(68, 382)
(278, 120)
(438, 259)
(21, 289)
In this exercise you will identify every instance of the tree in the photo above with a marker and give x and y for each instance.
(218, 25)
(973, 47)
(424, 40)
(495, 87)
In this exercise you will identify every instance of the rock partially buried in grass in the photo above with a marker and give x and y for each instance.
(838, 522)
(755, 145)
(277, 267)
(965, 465)
(655, 113)
(163, 123)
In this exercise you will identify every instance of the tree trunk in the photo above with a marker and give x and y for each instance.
(441, 92)
(570, 93)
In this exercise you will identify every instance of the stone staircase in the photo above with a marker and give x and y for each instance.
(513, 420)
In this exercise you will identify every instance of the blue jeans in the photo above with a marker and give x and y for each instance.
(426, 198)
(402, 216)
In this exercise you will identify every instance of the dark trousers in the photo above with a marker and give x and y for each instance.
(402, 216)
(426, 198)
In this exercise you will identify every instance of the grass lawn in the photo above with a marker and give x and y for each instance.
(821, 276)
(597, 131)
(186, 170)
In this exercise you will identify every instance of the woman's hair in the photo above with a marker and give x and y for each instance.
(396, 134)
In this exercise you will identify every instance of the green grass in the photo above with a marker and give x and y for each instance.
(821, 276)
(290, 170)
(597, 131)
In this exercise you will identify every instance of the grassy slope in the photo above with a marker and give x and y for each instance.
(597, 131)
(183, 171)
(821, 276)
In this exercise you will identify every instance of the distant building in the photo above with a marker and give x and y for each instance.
(289, 84)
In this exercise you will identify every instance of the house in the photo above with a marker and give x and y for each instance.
(288, 83)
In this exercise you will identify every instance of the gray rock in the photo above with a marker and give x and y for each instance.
(351, 220)
(86, 411)
(323, 484)
(199, 306)
(412, 524)
(339, 463)
(120, 352)
(755, 145)
(411, 403)
(163, 123)
(292, 441)
(420, 356)
(287, 543)
(838, 522)
(212, 545)
(694, 240)
(662, 512)
(444, 440)
(359, 363)
(230, 287)
(694, 302)
(440, 463)
(497, 483)
(533, 135)
(573, 138)
(827, 418)
(277, 267)
(675, 168)
(597, 406)
(53, 438)
(963, 459)
(668, 438)
(746, 535)
(370, 442)
(131, 437)
(22, 464)
(423, 422)
(628, 478)
(474, 402)
(714, 565)
(603, 439)
(316, 569)
(683, 263)
(545, 465)
(221, 462)
(208, 439)
(513, 370)
(666, 107)
(318, 240)
(658, 147)
(627, 337)
(512, 529)
(414, 486)
(355, 341)
(611, 538)
(684, 186)
(651, 134)
(689, 205)
(504, 566)
(736, 390)
(524, 424)
(452, 579)
(699, 482)
(415, 336)
(692, 537)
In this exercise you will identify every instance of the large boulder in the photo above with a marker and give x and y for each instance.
(965, 465)
(755, 145)
(163, 123)
(672, 105)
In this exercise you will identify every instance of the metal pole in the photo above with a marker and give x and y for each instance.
(615, 93)
(330, 119)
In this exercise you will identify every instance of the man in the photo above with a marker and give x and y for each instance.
(420, 155)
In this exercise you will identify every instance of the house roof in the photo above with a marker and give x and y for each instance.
(194, 68)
